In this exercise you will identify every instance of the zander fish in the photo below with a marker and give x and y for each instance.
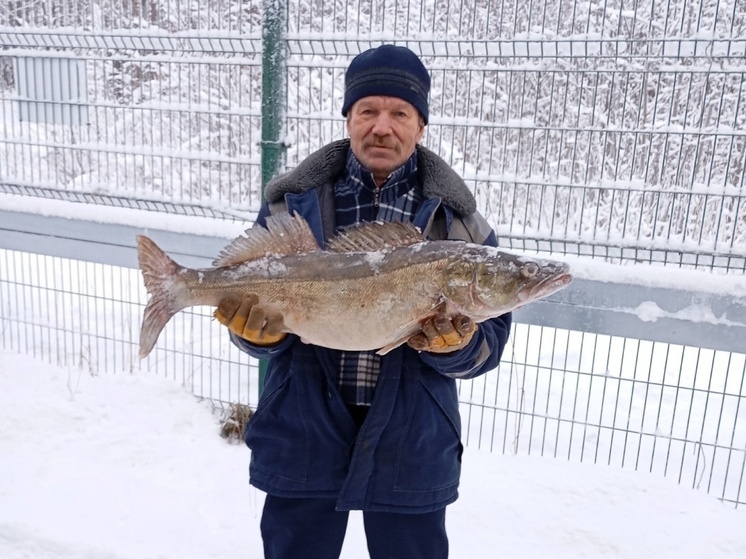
(369, 289)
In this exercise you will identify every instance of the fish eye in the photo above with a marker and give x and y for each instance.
(529, 269)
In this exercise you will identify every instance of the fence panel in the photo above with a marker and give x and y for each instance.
(608, 131)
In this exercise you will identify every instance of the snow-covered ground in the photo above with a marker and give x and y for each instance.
(115, 467)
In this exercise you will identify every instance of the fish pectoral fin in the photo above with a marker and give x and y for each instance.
(393, 345)
(414, 327)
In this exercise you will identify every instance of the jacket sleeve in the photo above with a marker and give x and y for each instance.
(259, 351)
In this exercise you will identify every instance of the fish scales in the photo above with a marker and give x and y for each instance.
(322, 303)
(370, 290)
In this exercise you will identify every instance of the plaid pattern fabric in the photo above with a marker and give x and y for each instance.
(357, 199)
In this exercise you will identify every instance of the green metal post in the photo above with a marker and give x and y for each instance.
(274, 69)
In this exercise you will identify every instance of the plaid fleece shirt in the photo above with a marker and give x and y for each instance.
(357, 199)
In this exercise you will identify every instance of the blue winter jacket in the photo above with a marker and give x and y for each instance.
(406, 457)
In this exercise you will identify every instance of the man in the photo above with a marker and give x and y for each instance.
(336, 431)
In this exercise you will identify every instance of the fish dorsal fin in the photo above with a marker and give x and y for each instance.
(376, 235)
(284, 235)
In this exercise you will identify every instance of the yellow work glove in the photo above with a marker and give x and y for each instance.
(248, 320)
(441, 334)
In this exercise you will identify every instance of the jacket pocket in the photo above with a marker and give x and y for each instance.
(429, 455)
(277, 434)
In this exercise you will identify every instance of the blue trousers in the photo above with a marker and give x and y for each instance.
(313, 529)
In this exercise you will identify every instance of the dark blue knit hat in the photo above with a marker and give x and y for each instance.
(388, 70)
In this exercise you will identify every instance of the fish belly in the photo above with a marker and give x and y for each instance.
(353, 315)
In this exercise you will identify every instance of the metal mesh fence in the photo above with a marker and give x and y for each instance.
(610, 130)
(662, 408)
(162, 105)
(606, 130)
(656, 407)
(75, 313)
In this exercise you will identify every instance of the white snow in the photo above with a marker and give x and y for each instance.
(117, 467)
(649, 311)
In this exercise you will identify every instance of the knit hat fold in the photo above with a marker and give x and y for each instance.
(391, 71)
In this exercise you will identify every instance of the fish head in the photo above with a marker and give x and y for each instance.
(501, 281)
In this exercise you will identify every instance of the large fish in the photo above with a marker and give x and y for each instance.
(369, 289)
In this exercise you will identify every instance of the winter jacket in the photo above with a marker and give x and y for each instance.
(406, 457)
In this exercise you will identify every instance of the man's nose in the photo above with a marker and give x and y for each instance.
(382, 125)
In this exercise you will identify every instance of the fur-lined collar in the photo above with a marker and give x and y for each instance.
(438, 179)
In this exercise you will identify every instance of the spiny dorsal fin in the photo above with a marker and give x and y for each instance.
(369, 237)
(285, 234)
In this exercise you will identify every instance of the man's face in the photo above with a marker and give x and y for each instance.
(384, 132)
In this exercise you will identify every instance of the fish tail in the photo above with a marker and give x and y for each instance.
(159, 272)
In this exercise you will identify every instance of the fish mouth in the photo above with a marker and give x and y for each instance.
(550, 285)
